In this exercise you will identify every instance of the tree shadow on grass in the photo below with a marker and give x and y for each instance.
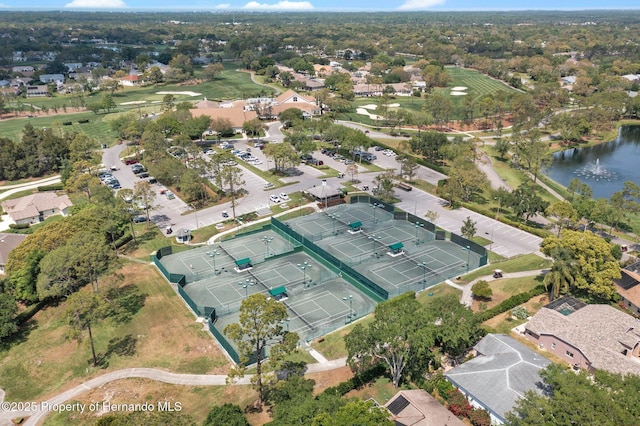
(120, 346)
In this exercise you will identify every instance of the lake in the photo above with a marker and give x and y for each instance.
(605, 167)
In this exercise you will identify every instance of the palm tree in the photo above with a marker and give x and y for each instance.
(560, 278)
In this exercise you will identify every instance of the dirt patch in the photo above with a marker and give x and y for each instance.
(532, 306)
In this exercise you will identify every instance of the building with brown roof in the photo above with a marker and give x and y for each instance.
(595, 337)
(36, 207)
(418, 408)
(7, 243)
(628, 287)
(237, 115)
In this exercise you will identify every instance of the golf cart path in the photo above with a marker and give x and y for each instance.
(146, 373)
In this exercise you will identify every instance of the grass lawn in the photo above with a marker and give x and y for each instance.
(148, 241)
(503, 323)
(439, 290)
(332, 345)
(504, 289)
(42, 362)
(381, 390)
(527, 262)
(196, 401)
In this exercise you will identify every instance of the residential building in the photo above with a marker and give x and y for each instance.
(52, 78)
(500, 374)
(594, 337)
(237, 115)
(7, 243)
(37, 91)
(418, 408)
(628, 287)
(36, 207)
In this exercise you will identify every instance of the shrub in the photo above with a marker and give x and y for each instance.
(481, 290)
(18, 225)
(510, 303)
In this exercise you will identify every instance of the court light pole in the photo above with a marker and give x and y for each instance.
(468, 253)
(304, 267)
(418, 225)
(213, 254)
(374, 206)
(266, 241)
(246, 284)
(350, 298)
(423, 265)
(374, 238)
(335, 218)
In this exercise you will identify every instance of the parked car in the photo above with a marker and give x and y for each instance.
(139, 219)
(210, 152)
(113, 167)
(378, 148)
(143, 175)
(274, 198)
(152, 180)
(130, 161)
(225, 214)
(258, 145)
(268, 185)
(284, 197)
(170, 195)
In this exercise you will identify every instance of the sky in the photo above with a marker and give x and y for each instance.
(319, 5)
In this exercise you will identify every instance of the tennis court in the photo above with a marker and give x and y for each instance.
(317, 310)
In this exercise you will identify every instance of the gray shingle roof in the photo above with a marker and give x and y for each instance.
(501, 373)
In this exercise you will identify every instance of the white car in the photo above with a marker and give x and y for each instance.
(284, 197)
(255, 162)
(274, 198)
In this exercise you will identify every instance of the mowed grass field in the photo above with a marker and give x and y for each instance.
(229, 84)
(477, 86)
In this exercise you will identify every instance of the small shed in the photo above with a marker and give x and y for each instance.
(183, 236)
(279, 293)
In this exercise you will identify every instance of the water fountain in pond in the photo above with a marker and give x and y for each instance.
(596, 171)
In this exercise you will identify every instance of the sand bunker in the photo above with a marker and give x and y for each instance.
(370, 106)
(394, 105)
(133, 103)
(363, 111)
(459, 89)
(453, 93)
(187, 93)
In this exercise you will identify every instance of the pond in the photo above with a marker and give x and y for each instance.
(605, 167)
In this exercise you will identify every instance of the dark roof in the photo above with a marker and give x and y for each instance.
(565, 305)
(626, 281)
(399, 404)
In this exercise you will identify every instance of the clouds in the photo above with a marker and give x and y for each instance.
(96, 4)
(223, 6)
(419, 4)
(281, 5)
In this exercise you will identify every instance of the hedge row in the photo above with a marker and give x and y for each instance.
(52, 187)
(357, 381)
(18, 225)
(510, 303)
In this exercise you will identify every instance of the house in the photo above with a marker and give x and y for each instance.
(628, 287)
(292, 99)
(73, 66)
(37, 91)
(500, 374)
(594, 337)
(237, 115)
(131, 80)
(7, 243)
(325, 193)
(36, 207)
(25, 70)
(52, 78)
(313, 84)
(418, 408)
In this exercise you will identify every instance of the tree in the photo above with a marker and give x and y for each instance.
(352, 170)
(260, 328)
(502, 146)
(593, 265)
(456, 328)
(564, 212)
(395, 337)
(356, 412)
(525, 202)
(468, 229)
(107, 102)
(290, 116)
(232, 176)
(581, 398)
(8, 312)
(482, 290)
(464, 182)
(226, 414)
(432, 215)
(145, 196)
(384, 186)
(559, 280)
(82, 309)
(282, 154)
(211, 71)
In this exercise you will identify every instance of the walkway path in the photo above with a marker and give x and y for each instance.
(467, 297)
(45, 407)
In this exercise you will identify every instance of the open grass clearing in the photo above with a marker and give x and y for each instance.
(196, 401)
(332, 345)
(381, 390)
(43, 362)
(527, 262)
(504, 289)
